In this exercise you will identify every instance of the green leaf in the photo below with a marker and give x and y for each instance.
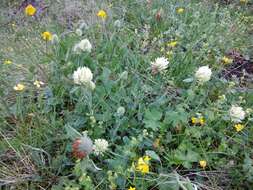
(151, 118)
(152, 155)
(71, 132)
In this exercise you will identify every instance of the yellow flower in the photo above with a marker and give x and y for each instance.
(146, 159)
(142, 164)
(194, 120)
(180, 10)
(202, 163)
(169, 53)
(172, 44)
(30, 10)
(7, 62)
(239, 127)
(19, 87)
(38, 83)
(243, 1)
(227, 60)
(47, 36)
(201, 121)
(102, 14)
(131, 188)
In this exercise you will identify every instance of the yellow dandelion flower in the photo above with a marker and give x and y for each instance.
(47, 36)
(172, 44)
(194, 120)
(30, 10)
(226, 60)
(7, 62)
(38, 83)
(19, 87)
(202, 163)
(180, 10)
(239, 127)
(131, 188)
(102, 14)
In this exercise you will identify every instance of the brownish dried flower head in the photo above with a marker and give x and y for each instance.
(82, 147)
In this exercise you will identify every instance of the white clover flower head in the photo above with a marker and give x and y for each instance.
(79, 32)
(117, 24)
(83, 76)
(83, 46)
(203, 74)
(160, 64)
(237, 114)
(100, 146)
(121, 111)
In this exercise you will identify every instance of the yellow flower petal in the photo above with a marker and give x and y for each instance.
(30, 10)
(7, 62)
(226, 60)
(47, 36)
(239, 127)
(102, 14)
(131, 188)
(202, 163)
(172, 44)
(180, 10)
(19, 87)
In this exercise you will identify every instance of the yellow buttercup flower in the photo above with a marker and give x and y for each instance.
(102, 14)
(30, 10)
(239, 127)
(194, 120)
(7, 62)
(180, 10)
(200, 120)
(143, 164)
(47, 36)
(38, 83)
(172, 44)
(19, 87)
(202, 163)
(226, 60)
(131, 188)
